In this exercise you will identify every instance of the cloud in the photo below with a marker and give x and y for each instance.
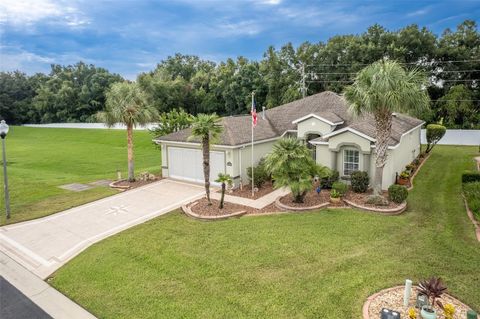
(25, 13)
(15, 58)
(419, 12)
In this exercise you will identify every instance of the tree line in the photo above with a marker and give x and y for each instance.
(76, 93)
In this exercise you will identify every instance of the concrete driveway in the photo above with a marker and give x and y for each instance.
(44, 245)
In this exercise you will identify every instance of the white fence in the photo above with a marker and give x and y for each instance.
(88, 126)
(457, 137)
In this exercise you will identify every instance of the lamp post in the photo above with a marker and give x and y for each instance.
(3, 135)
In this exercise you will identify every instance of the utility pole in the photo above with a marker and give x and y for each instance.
(303, 88)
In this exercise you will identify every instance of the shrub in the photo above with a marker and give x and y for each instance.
(410, 167)
(340, 188)
(334, 194)
(327, 181)
(397, 193)
(260, 174)
(376, 200)
(470, 176)
(405, 175)
(435, 132)
(472, 195)
(359, 181)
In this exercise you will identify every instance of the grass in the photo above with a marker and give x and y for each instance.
(41, 159)
(472, 194)
(311, 265)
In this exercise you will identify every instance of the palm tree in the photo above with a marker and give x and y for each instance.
(224, 179)
(206, 128)
(125, 103)
(381, 89)
(291, 165)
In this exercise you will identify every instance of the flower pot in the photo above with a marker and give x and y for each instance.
(403, 181)
(335, 200)
(426, 314)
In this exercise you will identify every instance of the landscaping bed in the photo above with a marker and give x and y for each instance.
(361, 200)
(312, 199)
(246, 191)
(201, 208)
(392, 298)
(125, 184)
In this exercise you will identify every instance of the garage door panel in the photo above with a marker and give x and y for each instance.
(187, 164)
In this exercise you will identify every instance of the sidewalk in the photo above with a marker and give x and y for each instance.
(50, 301)
(257, 203)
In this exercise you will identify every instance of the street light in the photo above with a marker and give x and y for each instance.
(3, 134)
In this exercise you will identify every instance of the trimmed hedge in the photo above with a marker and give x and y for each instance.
(359, 181)
(340, 187)
(397, 193)
(435, 132)
(472, 194)
(260, 174)
(327, 181)
(470, 176)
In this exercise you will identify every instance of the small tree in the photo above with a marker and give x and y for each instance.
(206, 128)
(126, 104)
(291, 165)
(435, 132)
(225, 179)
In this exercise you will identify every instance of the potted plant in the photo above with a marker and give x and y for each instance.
(433, 289)
(335, 196)
(404, 178)
(410, 167)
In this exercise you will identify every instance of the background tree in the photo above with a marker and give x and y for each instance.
(206, 129)
(172, 121)
(291, 165)
(380, 89)
(126, 104)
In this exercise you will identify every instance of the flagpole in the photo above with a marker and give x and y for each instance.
(253, 177)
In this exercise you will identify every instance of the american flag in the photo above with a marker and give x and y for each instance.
(254, 112)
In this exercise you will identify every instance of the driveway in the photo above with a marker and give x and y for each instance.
(44, 245)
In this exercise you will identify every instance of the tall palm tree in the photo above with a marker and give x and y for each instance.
(291, 165)
(207, 129)
(125, 103)
(381, 89)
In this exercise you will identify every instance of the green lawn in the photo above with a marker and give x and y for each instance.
(41, 159)
(311, 265)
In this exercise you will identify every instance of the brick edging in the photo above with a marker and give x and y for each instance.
(113, 185)
(387, 211)
(187, 210)
(280, 205)
(366, 305)
(417, 170)
(475, 223)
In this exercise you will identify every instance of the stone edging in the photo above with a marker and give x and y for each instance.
(475, 223)
(417, 170)
(387, 211)
(280, 205)
(187, 210)
(366, 305)
(113, 185)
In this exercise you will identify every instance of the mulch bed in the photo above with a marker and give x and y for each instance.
(137, 183)
(311, 199)
(361, 198)
(393, 299)
(203, 209)
(246, 191)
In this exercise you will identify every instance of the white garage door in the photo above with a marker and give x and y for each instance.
(187, 164)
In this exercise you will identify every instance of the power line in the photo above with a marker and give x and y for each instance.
(421, 63)
(351, 73)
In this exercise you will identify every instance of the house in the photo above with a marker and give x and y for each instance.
(337, 139)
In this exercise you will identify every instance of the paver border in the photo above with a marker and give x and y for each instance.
(280, 205)
(417, 170)
(386, 211)
(475, 223)
(187, 210)
(367, 303)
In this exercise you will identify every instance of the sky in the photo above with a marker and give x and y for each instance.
(132, 36)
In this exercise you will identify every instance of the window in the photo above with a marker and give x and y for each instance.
(351, 160)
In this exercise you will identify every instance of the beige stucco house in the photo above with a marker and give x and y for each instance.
(337, 139)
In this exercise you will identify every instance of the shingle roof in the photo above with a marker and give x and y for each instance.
(328, 105)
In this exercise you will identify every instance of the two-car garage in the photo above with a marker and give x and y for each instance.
(187, 164)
